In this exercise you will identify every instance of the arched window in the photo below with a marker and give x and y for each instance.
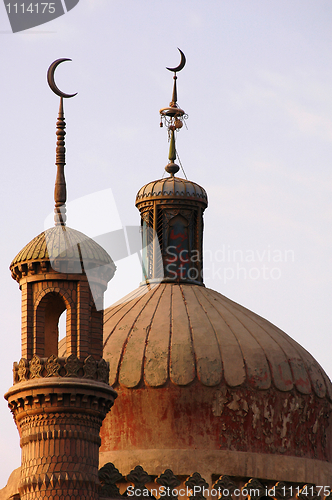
(48, 313)
(177, 259)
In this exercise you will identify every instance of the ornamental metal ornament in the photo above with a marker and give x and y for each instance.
(173, 117)
(222, 489)
(282, 491)
(168, 480)
(254, 485)
(139, 477)
(197, 480)
(108, 476)
(226, 487)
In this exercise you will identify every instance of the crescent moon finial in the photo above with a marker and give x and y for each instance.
(60, 190)
(51, 81)
(181, 65)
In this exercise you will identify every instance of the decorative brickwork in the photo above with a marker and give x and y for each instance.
(59, 422)
(170, 207)
(47, 300)
(51, 273)
(67, 367)
(169, 486)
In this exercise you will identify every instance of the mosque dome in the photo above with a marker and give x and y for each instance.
(204, 384)
(61, 247)
(181, 333)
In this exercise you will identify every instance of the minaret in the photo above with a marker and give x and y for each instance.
(172, 213)
(59, 403)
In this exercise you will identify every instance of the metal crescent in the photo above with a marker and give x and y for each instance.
(50, 78)
(182, 63)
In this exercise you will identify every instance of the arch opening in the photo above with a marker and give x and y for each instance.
(62, 325)
(47, 329)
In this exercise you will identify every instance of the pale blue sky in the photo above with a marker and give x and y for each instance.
(258, 90)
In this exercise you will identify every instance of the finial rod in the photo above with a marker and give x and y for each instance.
(175, 94)
(172, 150)
(173, 117)
(60, 190)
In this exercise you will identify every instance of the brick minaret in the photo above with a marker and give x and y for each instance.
(59, 403)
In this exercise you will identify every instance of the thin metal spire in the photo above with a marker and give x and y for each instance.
(173, 117)
(60, 190)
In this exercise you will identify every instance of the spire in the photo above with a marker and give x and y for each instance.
(172, 214)
(60, 191)
(173, 117)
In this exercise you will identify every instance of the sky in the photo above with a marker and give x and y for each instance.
(257, 87)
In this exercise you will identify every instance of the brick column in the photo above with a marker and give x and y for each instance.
(59, 420)
(27, 319)
(83, 318)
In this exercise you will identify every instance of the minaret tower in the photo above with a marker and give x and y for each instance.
(59, 403)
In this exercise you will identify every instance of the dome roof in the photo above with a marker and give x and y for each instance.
(172, 187)
(183, 333)
(61, 243)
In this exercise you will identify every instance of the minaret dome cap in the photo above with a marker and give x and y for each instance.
(172, 188)
(63, 249)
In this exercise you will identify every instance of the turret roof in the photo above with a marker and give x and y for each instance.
(180, 333)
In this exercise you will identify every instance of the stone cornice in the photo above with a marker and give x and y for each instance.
(62, 367)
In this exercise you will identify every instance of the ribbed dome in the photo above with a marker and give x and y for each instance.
(180, 333)
(172, 187)
(62, 243)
